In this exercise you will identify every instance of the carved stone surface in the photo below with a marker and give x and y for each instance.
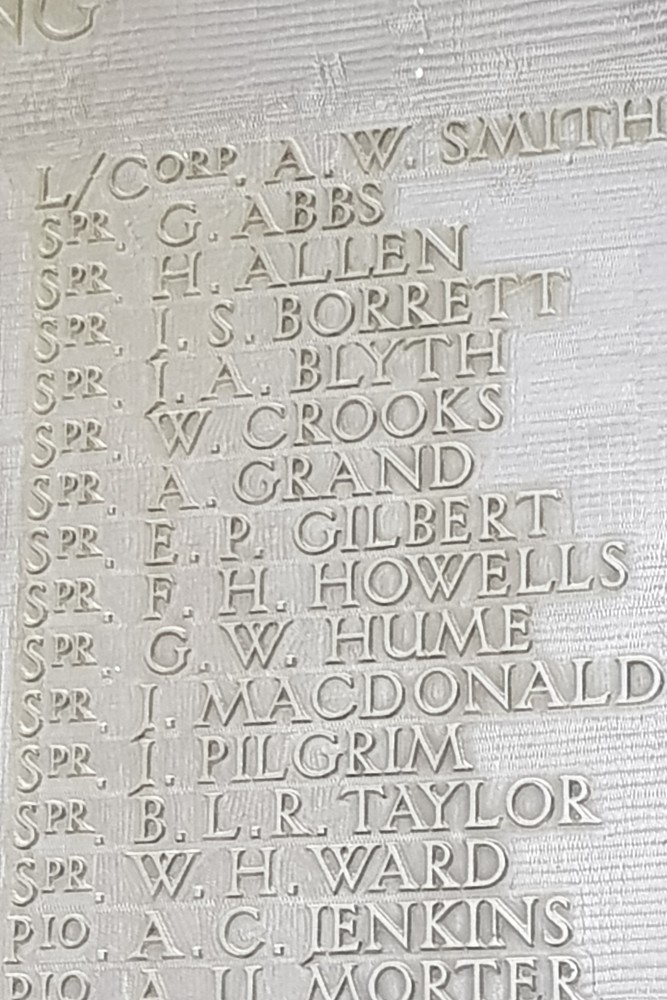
(334, 474)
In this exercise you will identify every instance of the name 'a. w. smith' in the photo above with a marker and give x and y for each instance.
(562, 128)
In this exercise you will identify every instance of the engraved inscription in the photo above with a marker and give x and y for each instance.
(277, 608)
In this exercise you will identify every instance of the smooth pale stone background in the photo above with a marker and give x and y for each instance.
(589, 396)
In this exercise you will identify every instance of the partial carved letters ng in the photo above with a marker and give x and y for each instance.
(55, 20)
